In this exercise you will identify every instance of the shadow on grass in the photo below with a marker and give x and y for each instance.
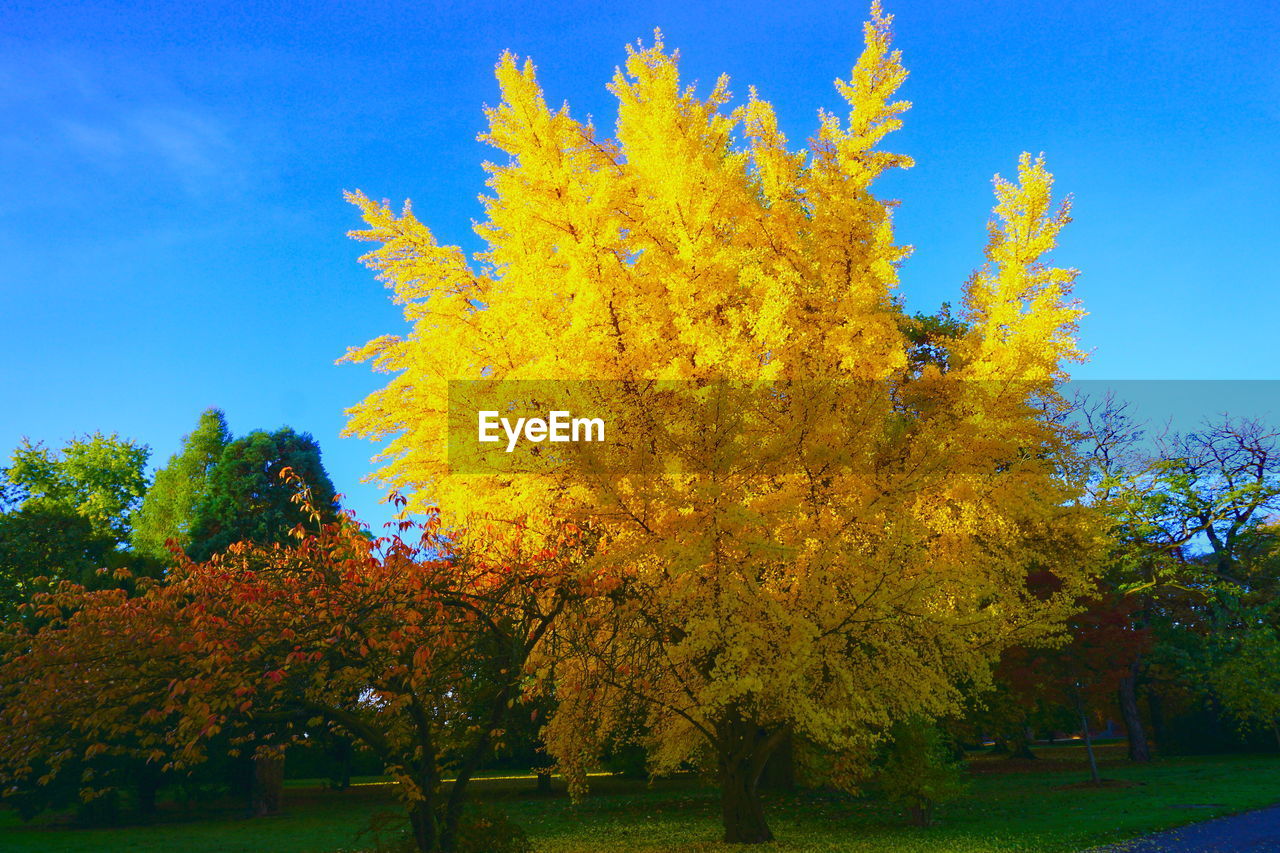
(1036, 807)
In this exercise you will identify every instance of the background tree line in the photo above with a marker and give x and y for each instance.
(339, 633)
(86, 517)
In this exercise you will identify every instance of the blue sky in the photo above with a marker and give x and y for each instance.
(172, 227)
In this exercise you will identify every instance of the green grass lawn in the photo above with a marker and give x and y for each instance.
(1010, 806)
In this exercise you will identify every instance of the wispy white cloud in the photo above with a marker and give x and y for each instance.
(183, 143)
(71, 113)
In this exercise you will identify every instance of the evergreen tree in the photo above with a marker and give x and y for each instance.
(169, 504)
(244, 498)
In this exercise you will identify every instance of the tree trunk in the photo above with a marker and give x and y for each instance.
(343, 782)
(743, 749)
(426, 833)
(268, 784)
(100, 811)
(1155, 707)
(1019, 745)
(780, 769)
(1088, 740)
(1139, 750)
(922, 813)
(341, 752)
(452, 814)
(148, 786)
(741, 811)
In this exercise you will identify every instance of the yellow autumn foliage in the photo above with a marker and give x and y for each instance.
(850, 536)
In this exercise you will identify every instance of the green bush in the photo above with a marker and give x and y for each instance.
(918, 771)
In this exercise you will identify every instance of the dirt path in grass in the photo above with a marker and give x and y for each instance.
(1251, 832)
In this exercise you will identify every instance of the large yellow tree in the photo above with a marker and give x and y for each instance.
(840, 532)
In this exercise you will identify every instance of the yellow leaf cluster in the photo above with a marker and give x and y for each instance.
(860, 541)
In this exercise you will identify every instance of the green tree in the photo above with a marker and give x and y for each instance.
(41, 545)
(11, 495)
(244, 498)
(1216, 486)
(65, 514)
(1247, 678)
(918, 770)
(100, 477)
(170, 503)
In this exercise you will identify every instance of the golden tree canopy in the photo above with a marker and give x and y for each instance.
(866, 544)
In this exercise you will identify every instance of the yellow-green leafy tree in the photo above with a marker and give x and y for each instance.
(837, 533)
